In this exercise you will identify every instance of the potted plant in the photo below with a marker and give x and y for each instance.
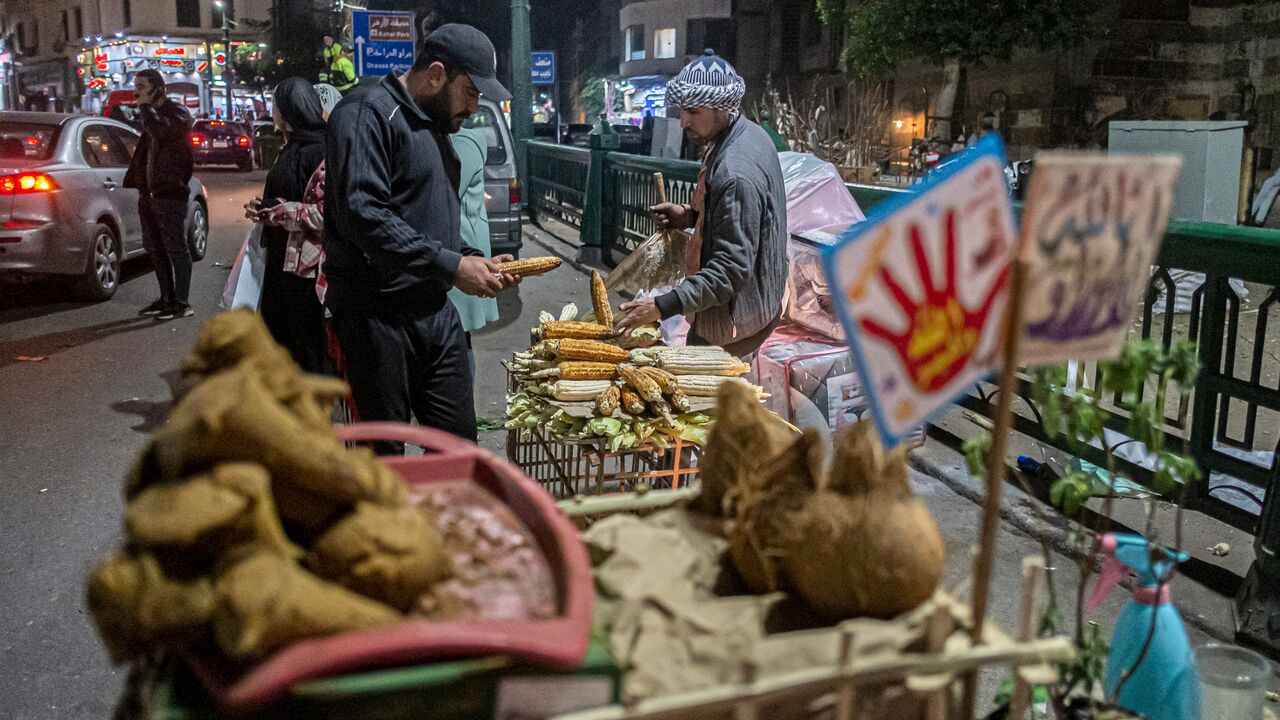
(1140, 379)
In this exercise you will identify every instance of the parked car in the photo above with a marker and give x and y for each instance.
(630, 139)
(501, 181)
(576, 134)
(64, 209)
(217, 142)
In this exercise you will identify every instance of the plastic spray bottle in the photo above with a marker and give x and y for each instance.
(1164, 686)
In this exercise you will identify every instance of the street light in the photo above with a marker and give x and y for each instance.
(226, 53)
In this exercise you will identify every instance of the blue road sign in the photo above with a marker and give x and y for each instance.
(543, 64)
(383, 40)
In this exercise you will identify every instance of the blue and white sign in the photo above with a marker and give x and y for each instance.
(383, 40)
(543, 64)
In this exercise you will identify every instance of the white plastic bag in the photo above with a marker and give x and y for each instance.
(244, 284)
(675, 329)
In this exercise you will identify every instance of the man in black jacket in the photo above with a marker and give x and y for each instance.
(393, 236)
(160, 170)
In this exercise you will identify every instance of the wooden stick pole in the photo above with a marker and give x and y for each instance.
(996, 470)
(662, 187)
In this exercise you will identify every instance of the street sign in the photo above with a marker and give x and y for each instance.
(543, 64)
(384, 41)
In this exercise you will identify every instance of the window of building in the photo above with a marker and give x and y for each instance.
(188, 13)
(126, 11)
(66, 27)
(79, 15)
(228, 6)
(21, 32)
(708, 33)
(664, 43)
(633, 42)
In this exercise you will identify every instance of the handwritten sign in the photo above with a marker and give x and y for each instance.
(1092, 227)
(922, 286)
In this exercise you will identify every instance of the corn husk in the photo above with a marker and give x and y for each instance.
(656, 262)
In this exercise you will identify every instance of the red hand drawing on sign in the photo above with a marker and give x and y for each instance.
(942, 334)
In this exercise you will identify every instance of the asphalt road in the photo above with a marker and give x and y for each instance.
(71, 420)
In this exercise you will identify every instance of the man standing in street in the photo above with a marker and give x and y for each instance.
(160, 171)
(393, 237)
(737, 268)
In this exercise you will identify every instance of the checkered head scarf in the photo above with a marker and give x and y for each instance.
(710, 82)
(329, 97)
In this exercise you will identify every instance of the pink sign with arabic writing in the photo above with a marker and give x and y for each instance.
(1092, 227)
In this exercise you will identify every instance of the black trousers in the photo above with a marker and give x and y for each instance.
(293, 313)
(164, 222)
(408, 362)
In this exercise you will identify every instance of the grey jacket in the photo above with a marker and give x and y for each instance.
(737, 290)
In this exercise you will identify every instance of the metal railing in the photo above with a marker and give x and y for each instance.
(1230, 422)
(557, 180)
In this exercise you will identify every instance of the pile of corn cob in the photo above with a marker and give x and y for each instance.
(637, 392)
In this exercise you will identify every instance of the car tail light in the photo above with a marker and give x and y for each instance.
(197, 140)
(244, 141)
(26, 184)
(513, 192)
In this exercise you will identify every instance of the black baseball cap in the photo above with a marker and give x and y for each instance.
(464, 48)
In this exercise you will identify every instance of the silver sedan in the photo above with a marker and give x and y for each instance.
(64, 209)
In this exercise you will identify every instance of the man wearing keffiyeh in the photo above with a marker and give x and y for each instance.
(736, 267)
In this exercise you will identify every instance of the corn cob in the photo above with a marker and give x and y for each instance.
(656, 355)
(529, 267)
(662, 409)
(594, 350)
(666, 381)
(632, 403)
(568, 312)
(600, 300)
(643, 384)
(561, 329)
(580, 370)
(703, 366)
(703, 385)
(578, 390)
(679, 400)
(607, 401)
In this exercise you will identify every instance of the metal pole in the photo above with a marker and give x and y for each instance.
(521, 86)
(226, 68)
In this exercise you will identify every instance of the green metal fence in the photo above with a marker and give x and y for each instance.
(1230, 421)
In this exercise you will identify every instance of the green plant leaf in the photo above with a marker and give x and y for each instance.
(975, 451)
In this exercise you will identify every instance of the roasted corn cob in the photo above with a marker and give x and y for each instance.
(666, 381)
(643, 384)
(632, 403)
(561, 329)
(679, 400)
(607, 401)
(593, 350)
(662, 409)
(580, 370)
(578, 390)
(600, 301)
(705, 385)
(530, 267)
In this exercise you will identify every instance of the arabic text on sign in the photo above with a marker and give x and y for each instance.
(390, 28)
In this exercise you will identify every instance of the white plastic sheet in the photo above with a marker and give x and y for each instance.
(244, 284)
(816, 194)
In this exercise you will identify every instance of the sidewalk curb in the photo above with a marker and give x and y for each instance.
(1016, 509)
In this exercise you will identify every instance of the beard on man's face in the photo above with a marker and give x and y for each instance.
(437, 108)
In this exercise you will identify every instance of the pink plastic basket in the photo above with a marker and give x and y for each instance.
(560, 642)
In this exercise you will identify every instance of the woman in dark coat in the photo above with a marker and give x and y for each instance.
(289, 305)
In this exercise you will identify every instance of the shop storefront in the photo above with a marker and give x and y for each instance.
(46, 86)
(640, 97)
(193, 71)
